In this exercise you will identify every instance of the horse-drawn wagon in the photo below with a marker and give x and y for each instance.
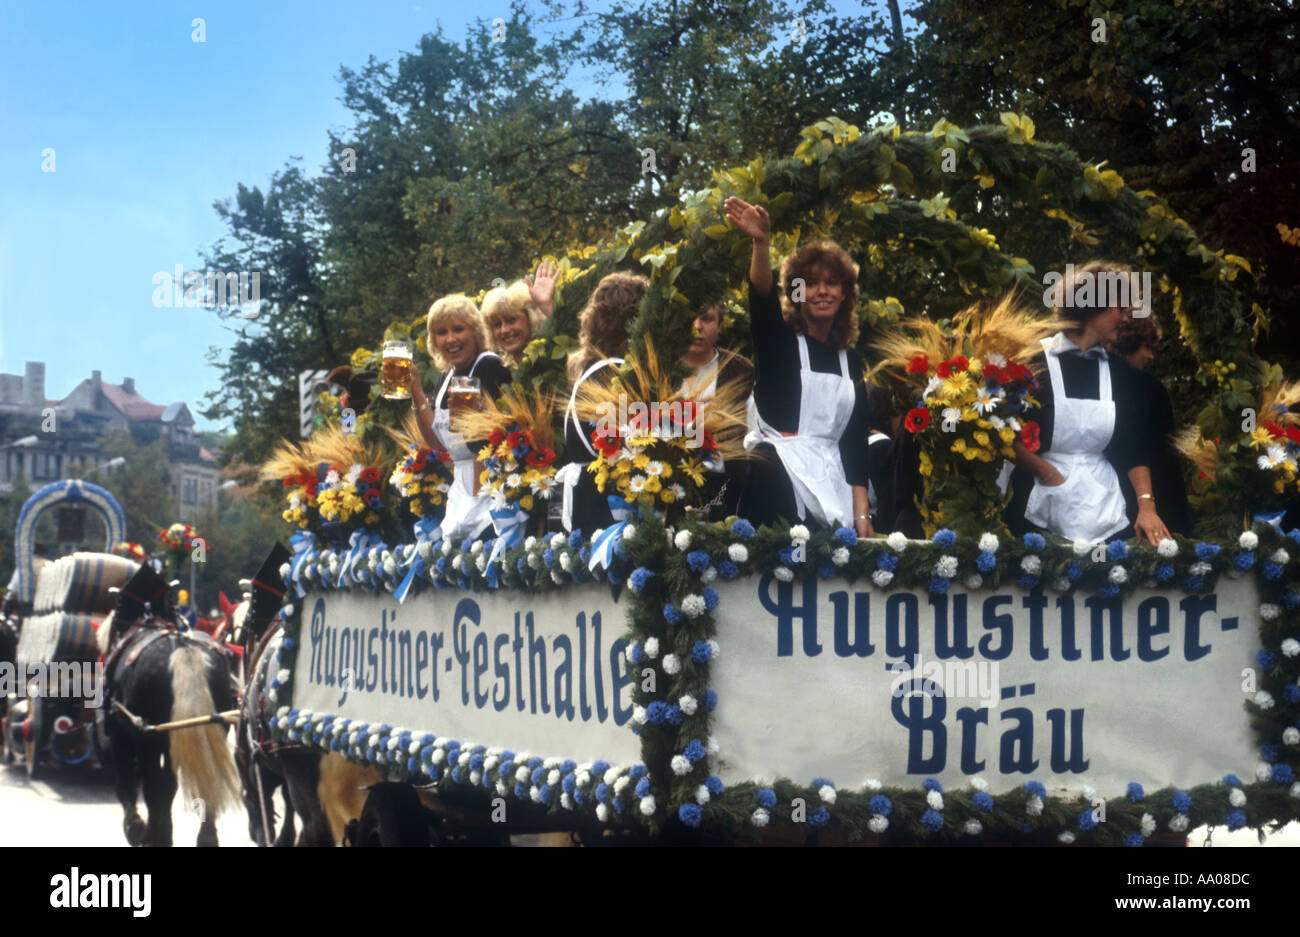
(714, 683)
(58, 606)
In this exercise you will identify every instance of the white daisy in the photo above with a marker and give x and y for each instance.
(636, 484)
(655, 468)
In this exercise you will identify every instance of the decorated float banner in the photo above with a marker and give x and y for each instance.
(818, 678)
(542, 673)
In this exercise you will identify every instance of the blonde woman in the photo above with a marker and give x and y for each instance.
(458, 343)
(513, 313)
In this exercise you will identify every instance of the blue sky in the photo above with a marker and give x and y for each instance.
(148, 129)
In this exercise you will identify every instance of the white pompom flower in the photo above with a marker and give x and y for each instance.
(1034, 807)
(878, 824)
(602, 813)
(652, 648)
(946, 567)
(1290, 647)
(1295, 789)
(783, 573)
(760, 817)
(638, 715)
(1066, 837)
(558, 540)
(1248, 540)
(1263, 771)
(979, 784)
(1081, 547)
(974, 581)
(934, 799)
(738, 553)
(1179, 823)
(1280, 557)
(988, 542)
(672, 666)
(1031, 564)
(566, 561)
(872, 784)
(973, 827)
(688, 704)
(841, 556)
(1168, 548)
(648, 805)
(799, 534)
(712, 747)
(897, 541)
(1237, 797)
(693, 606)
(683, 540)
(1118, 575)
(1268, 611)
(826, 793)
(681, 766)
(1148, 823)
(1264, 699)
(702, 795)
(882, 577)
(709, 575)
(1291, 736)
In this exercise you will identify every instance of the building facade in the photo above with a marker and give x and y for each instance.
(48, 440)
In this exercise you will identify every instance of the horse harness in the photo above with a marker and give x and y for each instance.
(142, 635)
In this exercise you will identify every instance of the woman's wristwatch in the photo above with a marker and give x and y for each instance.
(421, 408)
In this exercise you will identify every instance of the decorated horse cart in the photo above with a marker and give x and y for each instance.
(60, 606)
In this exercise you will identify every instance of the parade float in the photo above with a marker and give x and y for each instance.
(675, 678)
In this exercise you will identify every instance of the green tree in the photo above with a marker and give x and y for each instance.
(140, 486)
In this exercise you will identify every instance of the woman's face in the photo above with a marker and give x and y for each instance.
(823, 295)
(512, 331)
(455, 341)
(707, 326)
(1141, 358)
(1106, 324)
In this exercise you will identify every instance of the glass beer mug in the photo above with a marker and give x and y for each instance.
(464, 394)
(395, 378)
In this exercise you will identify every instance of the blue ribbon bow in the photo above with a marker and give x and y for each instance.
(602, 547)
(427, 530)
(360, 542)
(509, 524)
(304, 552)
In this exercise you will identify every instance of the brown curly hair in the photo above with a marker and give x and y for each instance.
(809, 258)
(1075, 316)
(604, 322)
(1134, 333)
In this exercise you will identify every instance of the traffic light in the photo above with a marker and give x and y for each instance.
(310, 385)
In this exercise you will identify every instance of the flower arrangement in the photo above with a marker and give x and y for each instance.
(332, 480)
(1259, 465)
(974, 391)
(175, 543)
(519, 456)
(423, 476)
(657, 457)
(131, 550)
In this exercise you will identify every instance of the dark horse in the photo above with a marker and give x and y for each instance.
(320, 791)
(159, 675)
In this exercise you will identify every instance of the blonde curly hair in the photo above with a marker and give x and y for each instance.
(507, 302)
(802, 263)
(455, 308)
(604, 322)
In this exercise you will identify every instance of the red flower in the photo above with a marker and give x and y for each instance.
(944, 369)
(1274, 430)
(1029, 436)
(917, 419)
(519, 437)
(608, 444)
(370, 475)
(993, 372)
(918, 365)
(1293, 434)
(495, 437)
(959, 363)
(1017, 371)
(709, 442)
(540, 457)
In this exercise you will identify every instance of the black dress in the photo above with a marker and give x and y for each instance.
(590, 509)
(725, 487)
(1129, 441)
(1167, 485)
(880, 469)
(768, 497)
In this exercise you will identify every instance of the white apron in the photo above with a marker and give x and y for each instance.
(873, 499)
(812, 456)
(467, 514)
(1088, 505)
(707, 379)
(569, 475)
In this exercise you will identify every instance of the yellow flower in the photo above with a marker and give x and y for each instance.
(1007, 435)
(416, 507)
(959, 445)
(982, 438)
(640, 460)
(652, 484)
(526, 502)
(1260, 438)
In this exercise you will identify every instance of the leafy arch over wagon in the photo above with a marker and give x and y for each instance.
(937, 219)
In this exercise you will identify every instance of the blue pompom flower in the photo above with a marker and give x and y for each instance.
(1087, 820)
(643, 787)
(986, 561)
(825, 570)
(640, 576)
(1244, 560)
(655, 714)
(1135, 792)
(1265, 660)
(932, 784)
(1134, 839)
(819, 817)
(728, 569)
(1164, 571)
(983, 800)
(1232, 780)
(673, 715)
(887, 561)
(1026, 581)
(1207, 551)
(1116, 550)
(939, 585)
(697, 560)
(742, 529)
(881, 805)
(701, 652)
(575, 539)
(945, 538)
(766, 797)
(1291, 693)
(1235, 820)
(710, 700)
(690, 814)
(846, 536)
(1182, 802)
(710, 598)
(1282, 773)
(932, 820)
(1034, 541)
(671, 615)
(694, 751)
(1269, 752)
(1271, 571)
(548, 557)
(1035, 789)
(1109, 590)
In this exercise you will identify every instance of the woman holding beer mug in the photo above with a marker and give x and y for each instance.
(457, 342)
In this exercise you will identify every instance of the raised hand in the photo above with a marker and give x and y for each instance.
(541, 286)
(750, 220)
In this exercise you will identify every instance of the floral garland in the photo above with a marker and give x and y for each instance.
(672, 625)
(352, 494)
